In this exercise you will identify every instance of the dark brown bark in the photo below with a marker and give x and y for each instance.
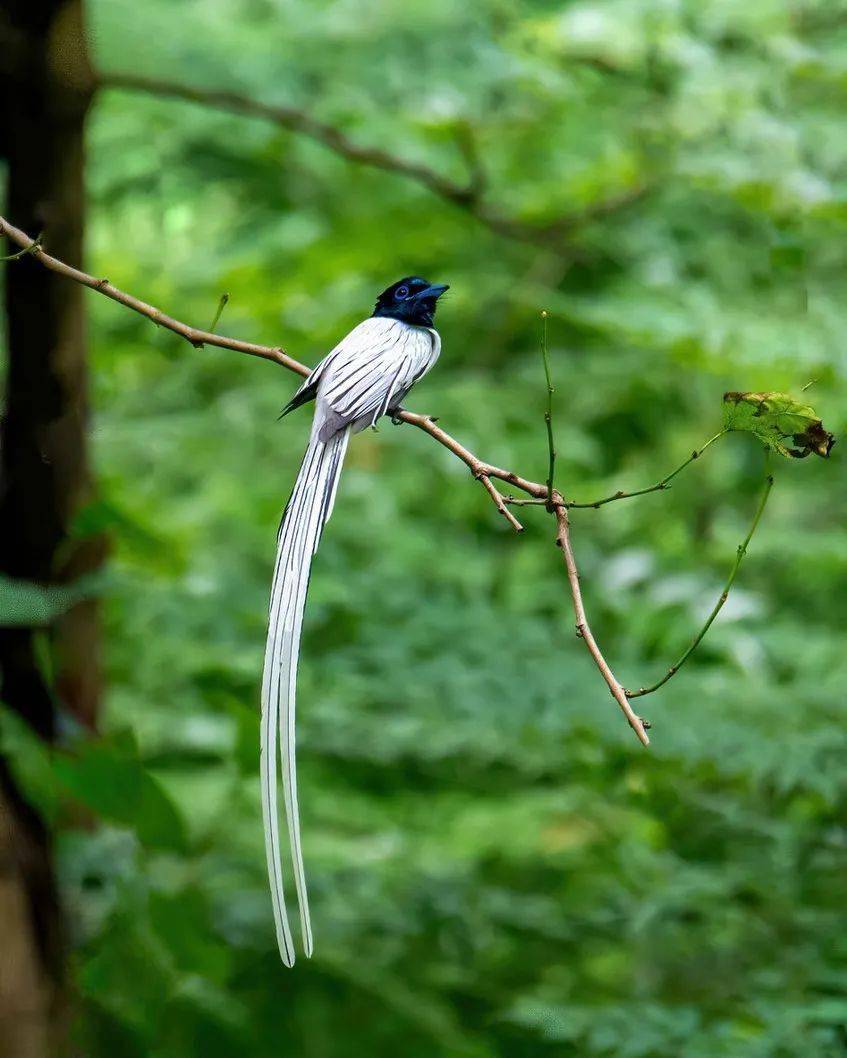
(45, 89)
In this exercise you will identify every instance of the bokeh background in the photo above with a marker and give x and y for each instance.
(497, 867)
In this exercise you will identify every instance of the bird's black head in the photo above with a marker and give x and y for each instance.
(411, 299)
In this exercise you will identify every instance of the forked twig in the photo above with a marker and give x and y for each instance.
(481, 470)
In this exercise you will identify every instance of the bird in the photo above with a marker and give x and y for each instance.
(365, 377)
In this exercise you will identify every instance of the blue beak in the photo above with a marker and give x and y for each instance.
(434, 291)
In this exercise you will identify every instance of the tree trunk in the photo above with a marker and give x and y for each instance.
(45, 88)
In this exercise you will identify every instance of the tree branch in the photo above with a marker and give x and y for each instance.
(468, 197)
(480, 469)
(583, 630)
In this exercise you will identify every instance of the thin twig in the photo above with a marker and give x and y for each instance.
(664, 484)
(219, 311)
(517, 501)
(584, 631)
(480, 469)
(499, 502)
(33, 246)
(659, 486)
(466, 196)
(548, 413)
(741, 551)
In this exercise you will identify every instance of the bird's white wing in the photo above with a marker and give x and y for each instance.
(370, 372)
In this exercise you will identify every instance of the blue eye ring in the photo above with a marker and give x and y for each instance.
(401, 292)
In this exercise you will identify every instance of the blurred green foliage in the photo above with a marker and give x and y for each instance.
(497, 868)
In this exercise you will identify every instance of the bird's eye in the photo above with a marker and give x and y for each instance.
(401, 292)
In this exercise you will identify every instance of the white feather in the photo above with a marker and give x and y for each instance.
(365, 376)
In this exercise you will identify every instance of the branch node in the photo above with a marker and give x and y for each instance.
(33, 248)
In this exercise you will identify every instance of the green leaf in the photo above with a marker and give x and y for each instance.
(104, 516)
(109, 778)
(778, 421)
(106, 775)
(132, 975)
(28, 604)
(29, 760)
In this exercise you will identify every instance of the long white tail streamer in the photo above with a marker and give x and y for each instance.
(307, 512)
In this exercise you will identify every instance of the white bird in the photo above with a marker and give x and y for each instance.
(365, 376)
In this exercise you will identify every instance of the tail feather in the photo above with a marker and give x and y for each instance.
(307, 512)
